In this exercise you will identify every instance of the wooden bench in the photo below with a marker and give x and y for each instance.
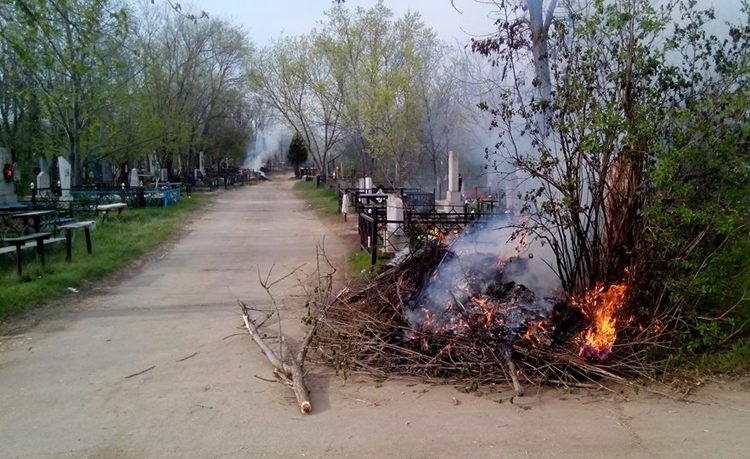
(106, 208)
(18, 242)
(86, 226)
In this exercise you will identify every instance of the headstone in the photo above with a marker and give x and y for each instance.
(368, 184)
(452, 200)
(345, 203)
(395, 236)
(42, 181)
(7, 189)
(63, 166)
(43, 165)
(134, 177)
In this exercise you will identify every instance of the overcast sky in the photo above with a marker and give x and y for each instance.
(265, 20)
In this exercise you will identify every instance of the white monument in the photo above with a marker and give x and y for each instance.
(7, 189)
(42, 181)
(63, 166)
(365, 184)
(395, 236)
(43, 165)
(453, 201)
(134, 177)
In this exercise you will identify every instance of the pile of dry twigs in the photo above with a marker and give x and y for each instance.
(369, 330)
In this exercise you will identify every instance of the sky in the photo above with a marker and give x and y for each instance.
(265, 20)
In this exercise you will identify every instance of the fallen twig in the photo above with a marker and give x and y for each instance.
(185, 358)
(140, 372)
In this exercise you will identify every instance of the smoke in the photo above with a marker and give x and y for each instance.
(490, 264)
(528, 261)
(268, 143)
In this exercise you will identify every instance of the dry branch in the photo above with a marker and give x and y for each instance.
(292, 373)
(368, 330)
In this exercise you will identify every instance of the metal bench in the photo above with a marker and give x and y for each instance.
(86, 226)
(18, 242)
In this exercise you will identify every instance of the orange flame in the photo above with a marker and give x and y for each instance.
(603, 305)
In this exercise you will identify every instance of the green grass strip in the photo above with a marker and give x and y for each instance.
(116, 243)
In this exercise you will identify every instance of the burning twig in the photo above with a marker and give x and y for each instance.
(431, 317)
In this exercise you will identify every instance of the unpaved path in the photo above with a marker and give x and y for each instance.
(67, 387)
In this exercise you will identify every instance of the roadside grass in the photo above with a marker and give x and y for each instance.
(323, 200)
(115, 243)
(359, 266)
(735, 359)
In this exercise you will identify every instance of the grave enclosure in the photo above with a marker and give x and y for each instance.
(390, 220)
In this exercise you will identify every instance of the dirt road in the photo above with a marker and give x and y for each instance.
(153, 366)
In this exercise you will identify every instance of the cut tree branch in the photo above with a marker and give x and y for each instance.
(293, 373)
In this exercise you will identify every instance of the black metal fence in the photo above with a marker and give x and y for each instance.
(374, 227)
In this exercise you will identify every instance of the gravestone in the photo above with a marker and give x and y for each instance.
(63, 167)
(7, 189)
(42, 181)
(452, 200)
(395, 236)
(134, 177)
(365, 184)
(43, 165)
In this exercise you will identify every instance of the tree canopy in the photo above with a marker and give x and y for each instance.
(102, 82)
(297, 153)
(635, 157)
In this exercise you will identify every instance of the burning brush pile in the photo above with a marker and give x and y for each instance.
(446, 314)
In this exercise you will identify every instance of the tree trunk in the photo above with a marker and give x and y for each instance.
(539, 25)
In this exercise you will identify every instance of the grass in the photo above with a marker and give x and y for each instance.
(359, 266)
(323, 200)
(735, 359)
(115, 244)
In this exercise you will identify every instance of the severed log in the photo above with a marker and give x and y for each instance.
(299, 387)
(508, 353)
(291, 374)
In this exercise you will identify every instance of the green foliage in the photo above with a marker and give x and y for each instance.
(734, 359)
(297, 153)
(103, 78)
(581, 153)
(193, 96)
(68, 54)
(697, 221)
(639, 159)
(353, 82)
